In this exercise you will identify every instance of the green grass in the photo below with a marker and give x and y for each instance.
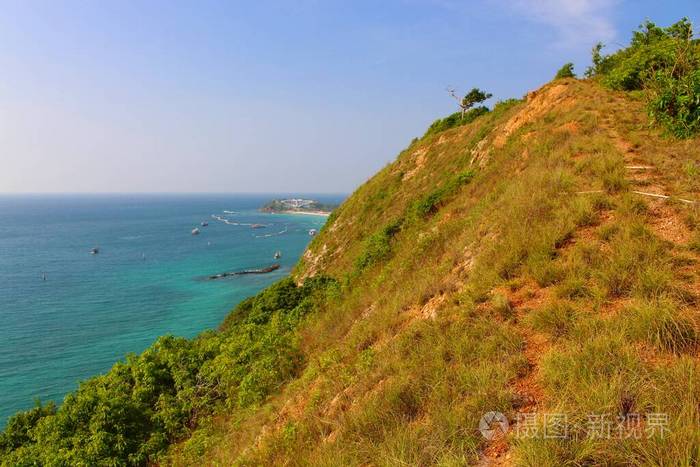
(665, 325)
(430, 203)
(456, 119)
(555, 319)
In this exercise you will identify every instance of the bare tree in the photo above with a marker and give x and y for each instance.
(453, 93)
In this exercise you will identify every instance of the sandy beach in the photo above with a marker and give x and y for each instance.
(306, 213)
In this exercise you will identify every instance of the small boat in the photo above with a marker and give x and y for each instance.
(205, 223)
(278, 254)
(195, 231)
(313, 232)
(258, 226)
(94, 251)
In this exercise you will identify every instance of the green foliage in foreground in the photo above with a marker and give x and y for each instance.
(567, 71)
(665, 63)
(130, 415)
(456, 119)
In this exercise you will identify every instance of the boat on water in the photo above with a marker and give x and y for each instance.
(195, 231)
(258, 226)
(313, 232)
(204, 223)
(278, 254)
(95, 251)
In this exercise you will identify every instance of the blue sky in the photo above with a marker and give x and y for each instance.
(265, 96)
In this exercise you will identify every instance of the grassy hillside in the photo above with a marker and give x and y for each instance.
(511, 264)
(539, 260)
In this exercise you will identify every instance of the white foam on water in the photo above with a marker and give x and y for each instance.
(274, 234)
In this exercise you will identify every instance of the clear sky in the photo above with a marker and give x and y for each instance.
(265, 96)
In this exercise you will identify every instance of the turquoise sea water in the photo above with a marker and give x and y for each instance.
(146, 281)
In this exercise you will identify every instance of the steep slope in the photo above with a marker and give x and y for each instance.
(541, 262)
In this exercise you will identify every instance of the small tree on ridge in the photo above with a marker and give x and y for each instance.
(473, 97)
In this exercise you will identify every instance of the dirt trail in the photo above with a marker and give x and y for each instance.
(665, 217)
(664, 220)
(529, 393)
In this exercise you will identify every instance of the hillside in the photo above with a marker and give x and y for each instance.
(539, 260)
(513, 264)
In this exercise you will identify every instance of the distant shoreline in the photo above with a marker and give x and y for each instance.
(308, 207)
(307, 213)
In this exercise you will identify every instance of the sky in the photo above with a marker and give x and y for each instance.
(306, 96)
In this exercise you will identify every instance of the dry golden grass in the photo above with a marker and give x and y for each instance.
(543, 285)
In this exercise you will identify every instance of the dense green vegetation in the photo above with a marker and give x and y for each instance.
(456, 119)
(665, 63)
(131, 414)
(567, 71)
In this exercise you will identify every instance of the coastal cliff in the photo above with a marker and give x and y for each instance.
(538, 262)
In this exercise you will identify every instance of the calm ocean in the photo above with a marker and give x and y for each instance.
(146, 281)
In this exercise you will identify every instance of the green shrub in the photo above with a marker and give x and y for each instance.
(502, 106)
(130, 415)
(377, 247)
(17, 431)
(665, 63)
(675, 101)
(430, 203)
(567, 71)
(456, 119)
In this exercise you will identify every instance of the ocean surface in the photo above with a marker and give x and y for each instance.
(147, 280)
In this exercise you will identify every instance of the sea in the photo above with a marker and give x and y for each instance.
(67, 314)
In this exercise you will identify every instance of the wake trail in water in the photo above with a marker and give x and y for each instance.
(228, 222)
(274, 234)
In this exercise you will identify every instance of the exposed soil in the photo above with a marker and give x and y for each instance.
(538, 104)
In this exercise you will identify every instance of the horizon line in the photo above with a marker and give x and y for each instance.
(108, 193)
